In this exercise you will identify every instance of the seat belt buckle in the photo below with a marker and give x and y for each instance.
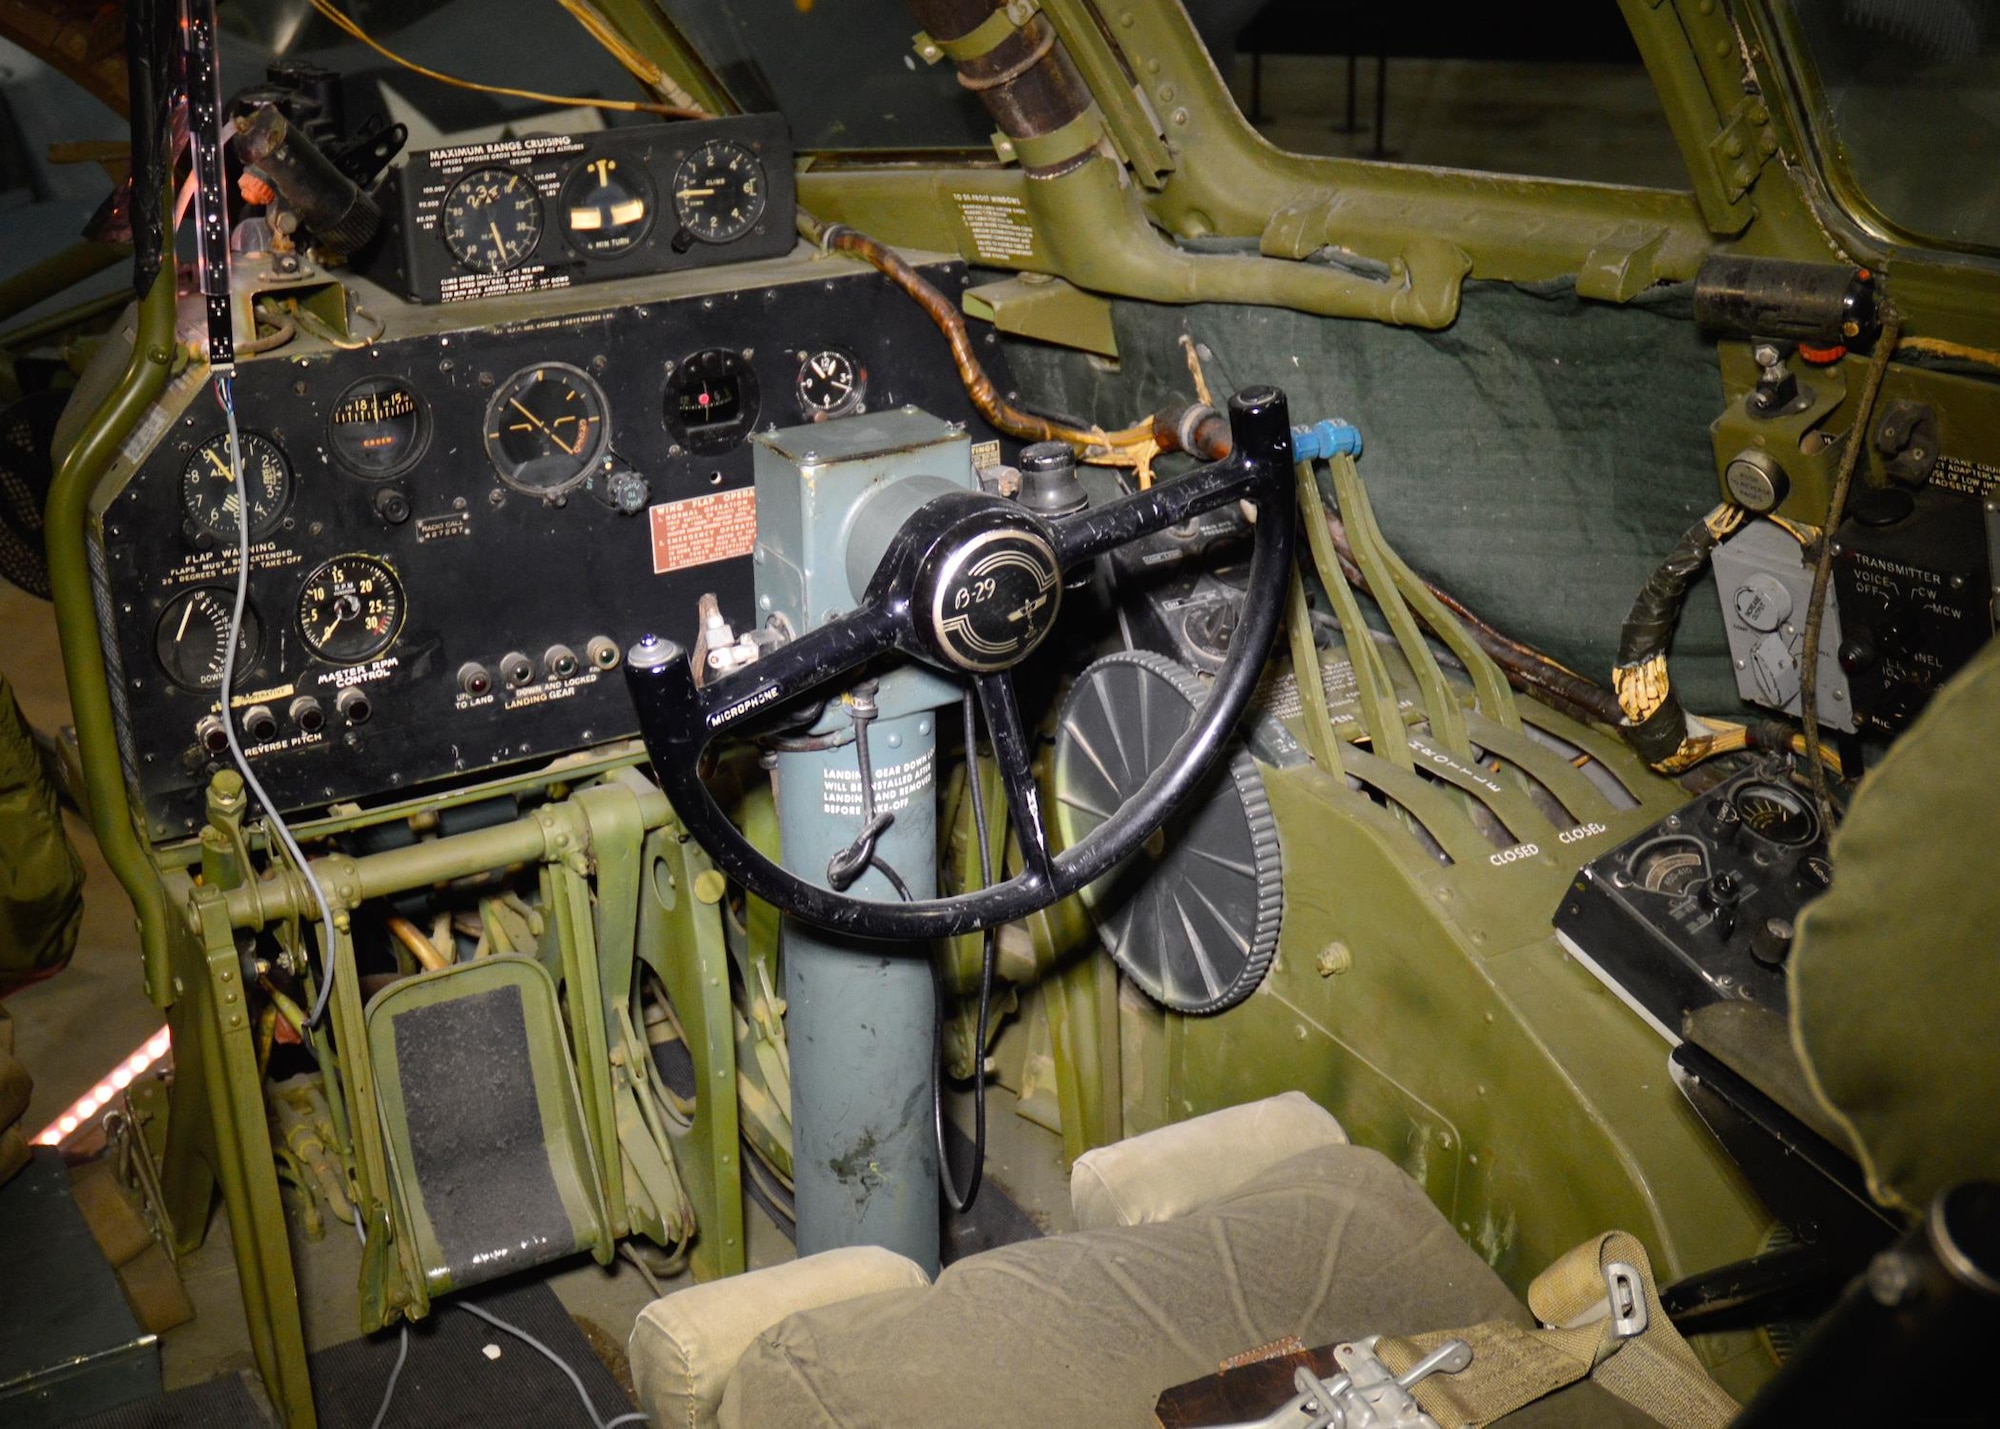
(1365, 1395)
(1624, 1303)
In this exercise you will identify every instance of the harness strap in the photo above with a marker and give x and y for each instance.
(1603, 1321)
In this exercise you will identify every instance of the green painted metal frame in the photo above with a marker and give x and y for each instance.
(1097, 225)
(82, 466)
(680, 937)
(606, 854)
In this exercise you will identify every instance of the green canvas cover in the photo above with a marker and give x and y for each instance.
(1088, 1328)
(1538, 458)
(1895, 978)
(41, 881)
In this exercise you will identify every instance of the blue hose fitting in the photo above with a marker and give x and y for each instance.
(1325, 439)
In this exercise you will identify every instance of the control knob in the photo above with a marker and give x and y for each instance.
(1720, 895)
(1771, 941)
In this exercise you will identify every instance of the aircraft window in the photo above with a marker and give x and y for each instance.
(1555, 92)
(1904, 112)
(475, 40)
(844, 74)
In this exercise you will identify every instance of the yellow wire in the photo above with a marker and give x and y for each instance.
(1826, 756)
(349, 27)
(1805, 535)
(1939, 347)
(641, 68)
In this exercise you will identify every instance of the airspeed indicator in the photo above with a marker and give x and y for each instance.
(492, 220)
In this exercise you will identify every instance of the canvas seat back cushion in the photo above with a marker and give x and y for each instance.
(1086, 1329)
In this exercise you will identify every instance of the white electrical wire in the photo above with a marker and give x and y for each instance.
(389, 1390)
(225, 394)
(227, 397)
(636, 1417)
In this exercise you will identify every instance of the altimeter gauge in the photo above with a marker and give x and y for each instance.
(208, 485)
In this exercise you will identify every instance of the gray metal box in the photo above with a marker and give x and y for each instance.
(1764, 582)
(817, 486)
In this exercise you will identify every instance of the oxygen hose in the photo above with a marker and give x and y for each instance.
(999, 413)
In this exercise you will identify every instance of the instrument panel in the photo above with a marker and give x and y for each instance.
(553, 210)
(459, 528)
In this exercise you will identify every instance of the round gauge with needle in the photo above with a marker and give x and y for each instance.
(831, 383)
(351, 609)
(719, 191)
(1775, 812)
(193, 636)
(545, 428)
(1671, 866)
(208, 485)
(606, 207)
(492, 220)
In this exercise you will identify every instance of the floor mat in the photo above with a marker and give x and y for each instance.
(453, 1381)
(224, 1402)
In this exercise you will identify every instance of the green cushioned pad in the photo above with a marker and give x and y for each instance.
(1895, 978)
(1088, 1329)
(1539, 458)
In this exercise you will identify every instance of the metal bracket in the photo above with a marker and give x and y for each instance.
(1741, 146)
(1624, 1303)
(983, 38)
(1366, 1395)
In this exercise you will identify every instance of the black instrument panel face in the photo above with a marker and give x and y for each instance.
(457, 534)
(551, 211)
(1702, 907)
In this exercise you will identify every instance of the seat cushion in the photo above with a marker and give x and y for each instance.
(685, 1344)
(1894, 987)
(1191, 1164)
(1088, 1329)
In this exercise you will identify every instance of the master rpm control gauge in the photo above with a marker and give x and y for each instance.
(193, 637)
(606, 206)
(831, 383)
(492, 219)
(208, 485)
(719, 191)
(545, 428)
(351, 609)
(711, 401)
(379, 426)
